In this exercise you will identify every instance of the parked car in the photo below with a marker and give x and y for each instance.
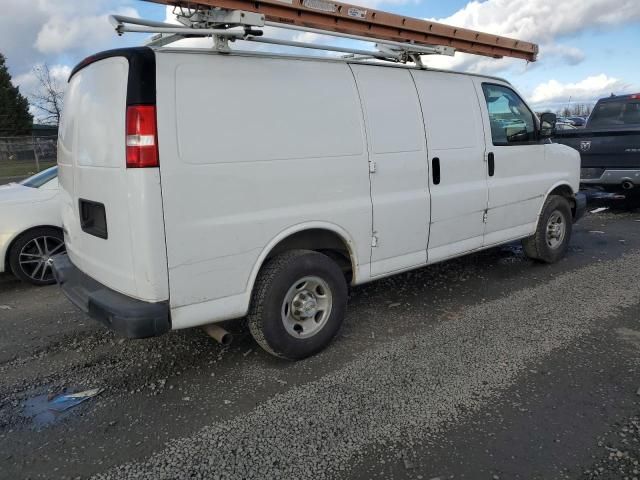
(577, 121)
(609, 144)
(560, 126)
(286, 179)
(31, 227)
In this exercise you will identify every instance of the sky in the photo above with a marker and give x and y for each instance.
(588, 48)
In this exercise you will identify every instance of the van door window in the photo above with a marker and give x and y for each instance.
(511, 120)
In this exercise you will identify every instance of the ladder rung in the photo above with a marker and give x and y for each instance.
(376, 24)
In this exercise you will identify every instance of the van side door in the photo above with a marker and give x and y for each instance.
(458, 181)
(516, 168)
(398, 168)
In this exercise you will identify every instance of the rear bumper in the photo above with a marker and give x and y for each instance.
(581, 206)
(611, 177)
(127, 316)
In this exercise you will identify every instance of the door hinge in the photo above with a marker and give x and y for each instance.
(372, 166)
(485, 215)
(374, 241)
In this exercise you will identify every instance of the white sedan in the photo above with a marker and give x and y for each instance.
(31, 227)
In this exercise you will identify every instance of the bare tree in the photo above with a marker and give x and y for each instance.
(576, 110)
(48, 99)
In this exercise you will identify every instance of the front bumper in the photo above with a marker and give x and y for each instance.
(5, 240)
(581, 206)
(127, 316)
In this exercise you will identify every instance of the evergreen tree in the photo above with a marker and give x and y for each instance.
(15, 118)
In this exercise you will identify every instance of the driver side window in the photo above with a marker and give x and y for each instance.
(511, 120)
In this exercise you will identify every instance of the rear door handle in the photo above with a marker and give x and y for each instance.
(491, 161)
(435, 170)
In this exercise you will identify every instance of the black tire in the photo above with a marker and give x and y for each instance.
(276, 280)
(23, 246)
(540, 247)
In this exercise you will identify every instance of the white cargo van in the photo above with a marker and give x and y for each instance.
(201, 187)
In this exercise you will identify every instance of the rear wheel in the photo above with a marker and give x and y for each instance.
(298, 304)
(31, 253)
(553, 233)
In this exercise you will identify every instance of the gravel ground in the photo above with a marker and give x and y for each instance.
(620, 454)
(619, 447)
(421, 356)
(397, 392)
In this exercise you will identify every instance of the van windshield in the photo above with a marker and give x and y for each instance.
(41, 178)
(610, 113)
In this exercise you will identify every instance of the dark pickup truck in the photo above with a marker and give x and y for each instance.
(609, 145)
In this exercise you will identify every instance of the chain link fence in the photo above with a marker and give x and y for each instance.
(21, 157)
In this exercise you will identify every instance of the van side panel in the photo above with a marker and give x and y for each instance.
(91, 155)
(249, 148)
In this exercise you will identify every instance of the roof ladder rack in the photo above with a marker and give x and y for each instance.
(239, 25)
(396, 38)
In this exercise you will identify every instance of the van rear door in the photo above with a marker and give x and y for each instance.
(112, 208)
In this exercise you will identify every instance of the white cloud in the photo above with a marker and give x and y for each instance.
(543, 20)
(539, 21)
(37, 31)
(61, 33)
(553, 93)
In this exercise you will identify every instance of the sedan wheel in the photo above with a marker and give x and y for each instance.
(31, 256)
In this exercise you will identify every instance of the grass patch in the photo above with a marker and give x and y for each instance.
(22, 169)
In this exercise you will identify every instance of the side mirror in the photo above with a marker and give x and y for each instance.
(547, 124)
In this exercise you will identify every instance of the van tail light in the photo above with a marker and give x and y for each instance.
(142, 137)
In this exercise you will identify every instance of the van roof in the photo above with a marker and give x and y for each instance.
(317, 58)
(142, 61)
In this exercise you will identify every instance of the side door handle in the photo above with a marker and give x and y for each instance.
(491, 164)
(435, 170)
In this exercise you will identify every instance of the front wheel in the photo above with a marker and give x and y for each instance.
(553, 233)
(30, 256)
(298, 304)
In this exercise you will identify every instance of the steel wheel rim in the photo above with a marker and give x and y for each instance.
(306, 307)
(35, 258)
(556, 229)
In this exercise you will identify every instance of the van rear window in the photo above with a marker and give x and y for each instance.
(611, 113)
(97, 105)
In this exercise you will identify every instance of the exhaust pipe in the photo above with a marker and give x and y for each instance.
(627, 185)
(219, 334)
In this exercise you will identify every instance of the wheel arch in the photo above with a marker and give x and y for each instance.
(322, 237)
(15, 238)
(562, 189)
